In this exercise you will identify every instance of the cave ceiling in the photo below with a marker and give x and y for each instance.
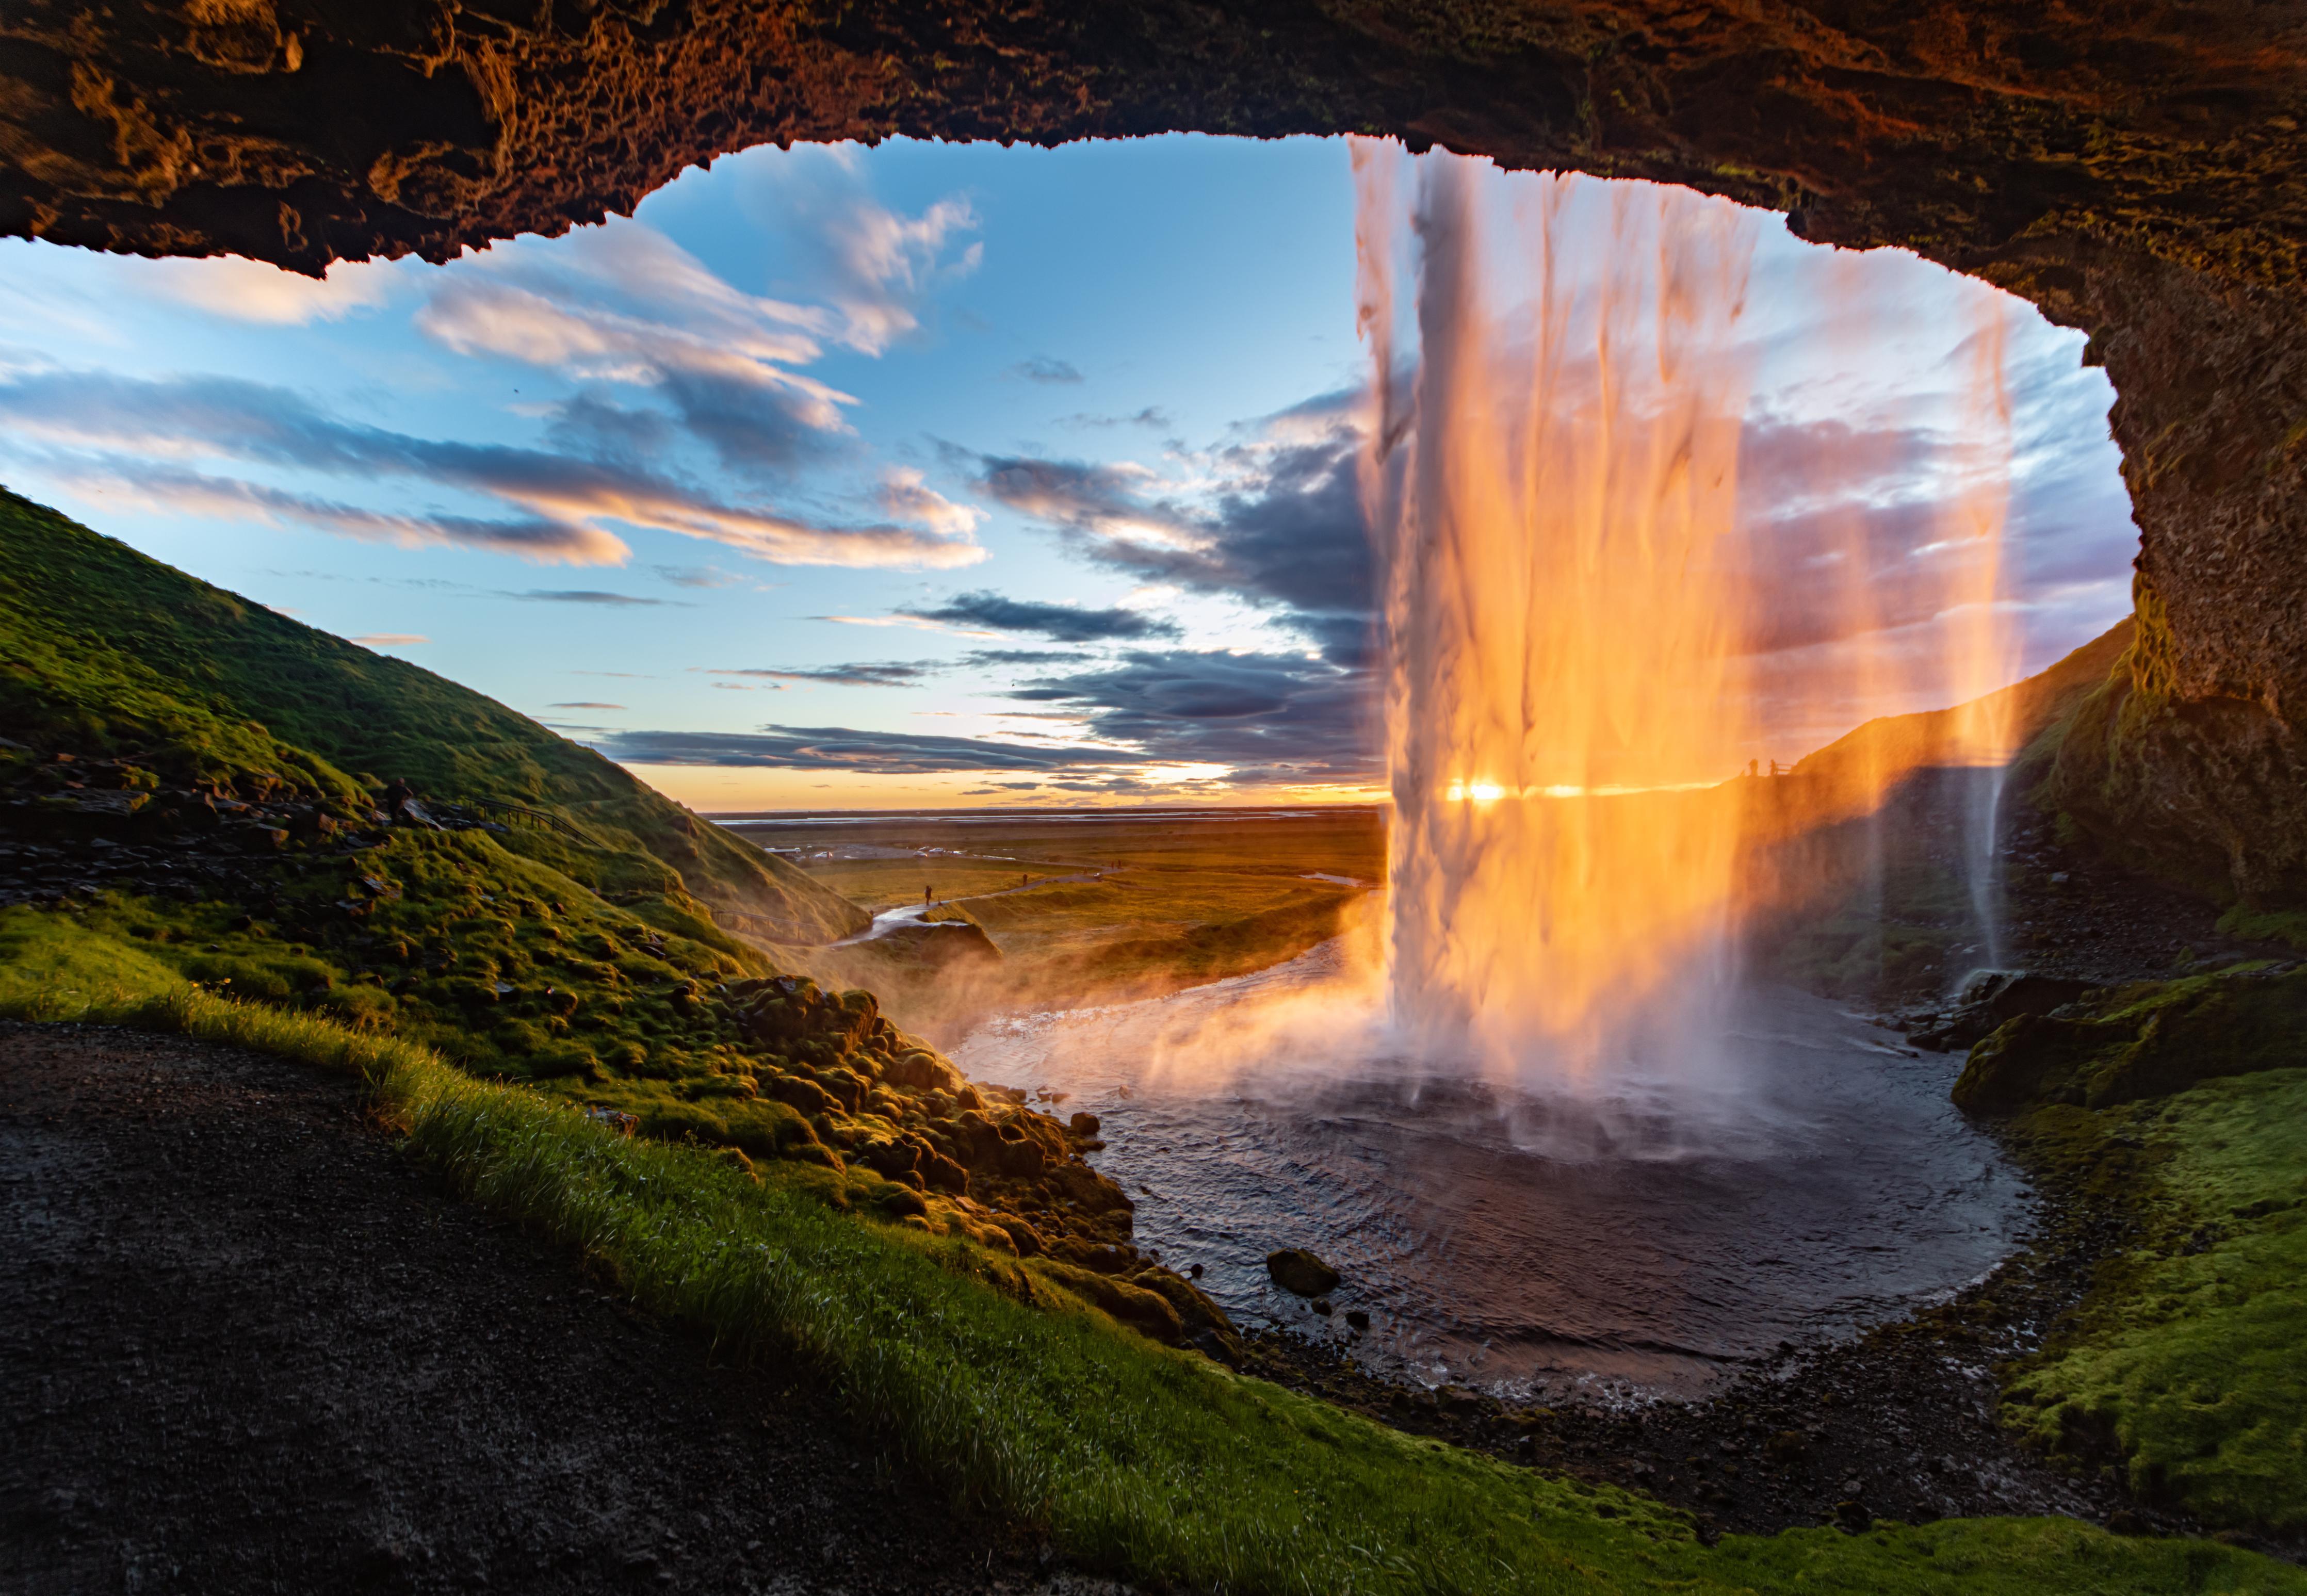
(2137, 170)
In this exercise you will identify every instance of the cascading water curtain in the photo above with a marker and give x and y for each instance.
(1587, 638)
(1552, 484)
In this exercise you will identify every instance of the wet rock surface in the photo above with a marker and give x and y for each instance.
(1296, 1270)
(249, 1347)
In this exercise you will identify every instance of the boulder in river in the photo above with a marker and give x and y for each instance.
(1296, 1270)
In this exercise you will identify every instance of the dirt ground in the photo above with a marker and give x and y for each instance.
(248, 1347)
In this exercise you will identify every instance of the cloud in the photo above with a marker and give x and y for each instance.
(903, 496)
(245, 290)
(888, 673)
(565, 496)
(389, 640)
(1042, 368)
(584, 704)
(887, 263)
(842, 748)
(1058, 623)
(725, 374)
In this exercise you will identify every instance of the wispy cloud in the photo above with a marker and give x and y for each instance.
(119, 427)
(916, 621)
(585, 596)
(889, 673)
(1043, 368)
(584, 704)
(1151, 416)
(698, 576)
(843, 748)
(887, 263)
(391, 639)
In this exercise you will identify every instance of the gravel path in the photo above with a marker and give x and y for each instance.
(247, 1347)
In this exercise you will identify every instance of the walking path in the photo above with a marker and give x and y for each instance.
(889, 920)
(249, 1347)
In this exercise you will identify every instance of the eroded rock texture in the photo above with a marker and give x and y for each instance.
(2135, 168)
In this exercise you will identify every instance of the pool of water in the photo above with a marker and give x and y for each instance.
(1625, 1238)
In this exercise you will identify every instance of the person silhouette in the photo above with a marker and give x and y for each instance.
(925, 897)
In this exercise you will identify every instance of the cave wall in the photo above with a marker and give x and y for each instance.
(2134, 167)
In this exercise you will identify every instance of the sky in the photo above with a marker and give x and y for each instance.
(930, 475)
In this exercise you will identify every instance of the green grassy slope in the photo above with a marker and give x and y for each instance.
(1134, 1459)
(2028, 710)
(100, 646)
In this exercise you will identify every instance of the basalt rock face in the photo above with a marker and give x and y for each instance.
(2136, 169)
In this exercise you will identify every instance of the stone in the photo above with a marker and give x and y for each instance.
(795, 1092)
(1023, 1236)
(1301, 1272)
(921, 1070)
(1356, 1318)
(1084, 1126)
(1321, 1305)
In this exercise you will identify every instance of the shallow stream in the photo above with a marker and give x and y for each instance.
(1632, 1241)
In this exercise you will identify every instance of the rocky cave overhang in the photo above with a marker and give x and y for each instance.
(2135, 167)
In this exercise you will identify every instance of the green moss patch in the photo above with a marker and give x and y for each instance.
(2142, 1041)
(2188, 1370)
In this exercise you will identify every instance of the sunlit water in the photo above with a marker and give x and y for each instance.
(1651, 1241)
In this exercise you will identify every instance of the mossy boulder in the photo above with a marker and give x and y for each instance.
(1148, 1312)
(2148, 1041)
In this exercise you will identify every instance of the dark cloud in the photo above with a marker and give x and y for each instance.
(841, 748)
(750, 428)
(1042, 368)
(1083, 498)
(1058, 623)
(887, 673)
(595, 425)
(1020, 656)
(1274, 716)
(1291, 536)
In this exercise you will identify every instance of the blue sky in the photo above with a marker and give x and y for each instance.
(923, 473)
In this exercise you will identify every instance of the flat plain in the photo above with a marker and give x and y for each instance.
(1081, 905)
